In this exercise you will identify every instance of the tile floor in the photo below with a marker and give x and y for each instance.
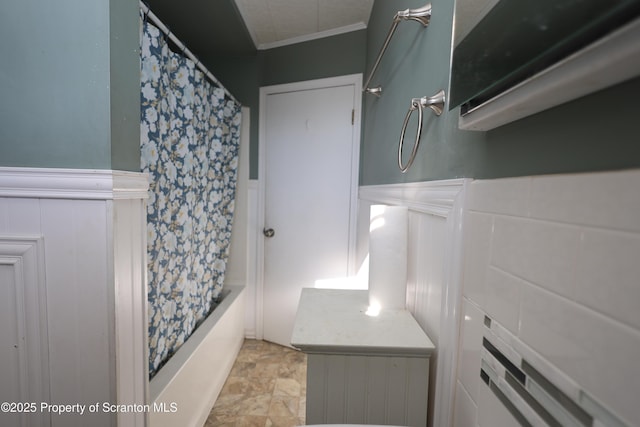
(266, 388)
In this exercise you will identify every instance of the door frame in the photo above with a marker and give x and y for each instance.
(346, 80)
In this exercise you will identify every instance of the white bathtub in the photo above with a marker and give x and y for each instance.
(189, 383)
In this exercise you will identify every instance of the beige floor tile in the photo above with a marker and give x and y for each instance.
(228, 404)
(284, 406)
(287, 387)
(220, 420)
(251, 421)
(265, 370)
(266, 387)
(242, 369)
(259, 385)
(248, 355)
(284, 422)
(256, 405)
(235, 385)
(302, 407)
(296, 371)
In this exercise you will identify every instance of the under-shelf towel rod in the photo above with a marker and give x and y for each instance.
(421, 14)
(158, 23)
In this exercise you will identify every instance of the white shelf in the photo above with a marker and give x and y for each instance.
(332, 321)
(613, 59)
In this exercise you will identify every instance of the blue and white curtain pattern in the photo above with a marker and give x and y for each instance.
(189, 142)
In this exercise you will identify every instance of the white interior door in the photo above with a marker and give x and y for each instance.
(310, 149)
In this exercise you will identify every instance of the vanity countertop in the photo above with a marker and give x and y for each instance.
(334, 321)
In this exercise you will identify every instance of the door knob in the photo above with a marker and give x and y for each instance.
(268, 232)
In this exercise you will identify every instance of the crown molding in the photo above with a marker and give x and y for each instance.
(314, 36)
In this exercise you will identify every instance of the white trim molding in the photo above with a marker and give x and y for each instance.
(24, 257)
(314, 36)
(85, 184)
(432, 197)
(444, 199)
(254, 310)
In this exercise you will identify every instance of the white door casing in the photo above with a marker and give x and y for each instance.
(308, 181)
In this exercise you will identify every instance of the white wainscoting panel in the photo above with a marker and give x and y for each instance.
(130, 300)
(433, 272)
(90, 225)
(79, 304)
(24, 372)
(425, 268)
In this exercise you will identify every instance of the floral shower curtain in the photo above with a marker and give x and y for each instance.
(189, 143)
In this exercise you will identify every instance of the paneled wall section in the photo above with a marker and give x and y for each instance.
(433, 263)
(80, 289)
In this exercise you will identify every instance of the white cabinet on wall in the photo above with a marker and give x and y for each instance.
(72, 286)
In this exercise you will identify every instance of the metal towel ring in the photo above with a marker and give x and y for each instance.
(436, 103)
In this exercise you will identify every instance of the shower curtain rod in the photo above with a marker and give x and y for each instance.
(147, 11)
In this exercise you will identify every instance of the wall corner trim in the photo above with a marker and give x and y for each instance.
(51, 183)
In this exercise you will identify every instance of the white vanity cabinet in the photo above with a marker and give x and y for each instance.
(361, 369)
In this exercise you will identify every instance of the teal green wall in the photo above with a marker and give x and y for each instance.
(596, 132)
(61, 102)
(593, 133)
(124, 36)
(327, 57)
(415, 64)
(69, 97)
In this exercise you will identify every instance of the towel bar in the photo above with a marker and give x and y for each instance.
(421, 14)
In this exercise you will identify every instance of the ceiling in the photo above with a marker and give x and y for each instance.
(273, 23)
(211, 28)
